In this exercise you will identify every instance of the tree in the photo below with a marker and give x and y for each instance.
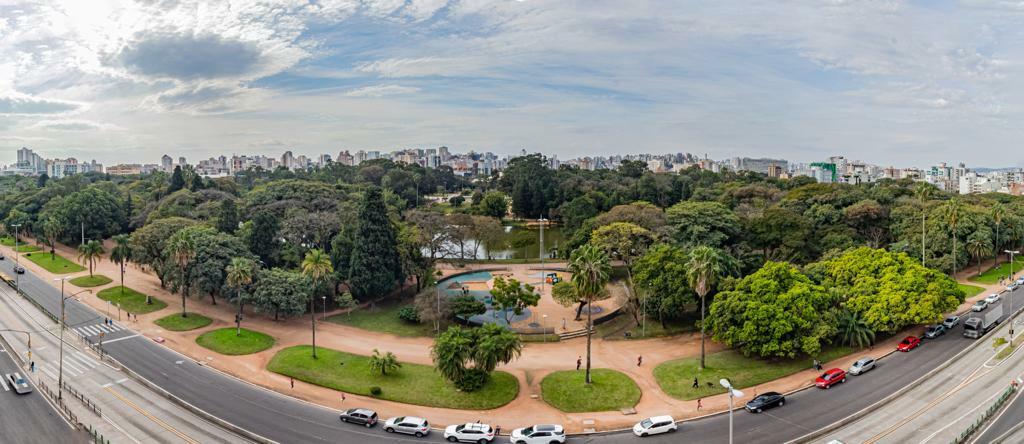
(345, 301)
(181, 249)
(705, 267)
(923, 191)
(853, 330)
(456, 200)
(281, 292)
(702, 223)
(530, 183)
(52, 229)
(375, 264)
(512, 296)
(149, 244)
(494, 204)
(486, 231)
(780, 234)
(661, 275)
(41, 181)
(870, 219)
(998, 214)
(590, 270)
(177, 180)
(239, 276)
(90, 253)
(774, 312)
(384, 363)
(953, 209)
(121, 254)
(466, 357)
(227, 219)
(317, 266)
(623, 240)
(978, 245)
(466, 306)
(264, 241)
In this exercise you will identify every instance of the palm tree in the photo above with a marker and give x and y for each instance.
(978, 247)
(998, 211)
(51, 231)
(953, 209)
(923, 191)
(121, 254)
(239, 275)
(704, 268)
(91, 252)
(182, 250)
(590, 270)
(384, 363)
(316, 265)
(854, 330)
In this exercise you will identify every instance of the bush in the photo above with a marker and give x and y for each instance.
(375, 391)
(473, 380)
(409, 314)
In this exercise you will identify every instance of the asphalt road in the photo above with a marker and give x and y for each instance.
(1011, 417)
(29, 418)
(285, 419)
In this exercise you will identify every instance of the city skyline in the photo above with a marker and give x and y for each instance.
(896, 83)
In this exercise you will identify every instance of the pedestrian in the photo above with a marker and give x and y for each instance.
(695, 383)
(639, 360)
(699, 404)
(563, 323)
(32, 366)
(816, 365)
(342, 397)
(292, 380)
(497, 430)
(579, 362)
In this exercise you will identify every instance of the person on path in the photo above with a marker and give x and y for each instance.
(292, 380)
(699, 404)
(563, 323)
(579, 362)
(32, 366)
(695, 383)
(639, 360)
(342, 397)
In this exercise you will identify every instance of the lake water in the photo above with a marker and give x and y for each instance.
(518, 243)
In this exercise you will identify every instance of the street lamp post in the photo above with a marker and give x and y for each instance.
(733, 393)
(17, 262)
(540, 252)
(61, 321)
(325, 309)
(1010, 296)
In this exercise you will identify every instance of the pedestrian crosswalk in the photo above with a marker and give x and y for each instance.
(75, 364)
(95, 329)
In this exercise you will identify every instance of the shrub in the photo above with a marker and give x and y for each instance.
(409, 314)
(375, 391)
(473, 380)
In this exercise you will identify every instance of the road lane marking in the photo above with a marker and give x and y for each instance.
(166, 426)
(49, 372)
(121, 339)
(68, 363)
(83, 359)
(4, 382)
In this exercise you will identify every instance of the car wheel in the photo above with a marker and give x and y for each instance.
(643, 435)
(782, 403)
(453, 439)
(673, 429)
(758, 410)
(828, 387)
(389, 430)
(418, 434)
(482, 441)
(844, 380)
(368, 425)
(344, 420)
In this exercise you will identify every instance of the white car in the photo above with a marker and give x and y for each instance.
(980, 305)
(654, 426)
(469, 432)
(538, 434)
(410, 425)
(951, 321)
(19, 383)
(992, 298)
(862, 365)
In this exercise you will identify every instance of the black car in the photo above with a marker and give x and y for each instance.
(19, 269)
(359, 416)
(766, 401)
(934, 331)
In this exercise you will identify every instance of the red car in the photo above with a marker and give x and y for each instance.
(909, 343)
(831, 377)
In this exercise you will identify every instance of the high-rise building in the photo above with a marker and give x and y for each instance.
(29, 162)
(360, 157)
(167, 163)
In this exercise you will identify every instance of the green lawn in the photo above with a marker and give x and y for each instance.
(676, 377)
(992, 275)
(56, 265)
(412, 384)
(7, 241)
(27, 248)
(610, 390)
(175, 322)
(383, 318)
(226, 342)
(971, 290)
(617, 328)
(130, 300)
(90, 281)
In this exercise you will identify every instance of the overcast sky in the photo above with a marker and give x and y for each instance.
(889, 82)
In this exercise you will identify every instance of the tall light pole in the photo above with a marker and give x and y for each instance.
(540, 252)
(1010, 296)
(733, 393)
(61, 321)
(17, 263)
(325, 309)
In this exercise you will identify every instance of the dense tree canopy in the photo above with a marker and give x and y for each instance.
(375, 266)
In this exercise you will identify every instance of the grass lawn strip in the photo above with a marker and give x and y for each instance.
(57, 265)
(970, 290)
(27, 248)
(382, 318)
(992, 275)
(131, 300)
(175, 322)
(610, 390)
(226, 342)
(7, 241)
(90, 281)
(676, 377)
(412, 384)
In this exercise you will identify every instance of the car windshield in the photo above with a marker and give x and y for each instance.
(905, 341)
(647, 423)
(949, 319)
(826, 375)
(459, 428)
(400, 419)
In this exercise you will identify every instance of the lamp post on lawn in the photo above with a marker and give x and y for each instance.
(325, 309)
(540, 252)
(1010, 296)
(543, 323)
(733, 393)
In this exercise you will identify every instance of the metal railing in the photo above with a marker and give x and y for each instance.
(85, 400)
(986, 415)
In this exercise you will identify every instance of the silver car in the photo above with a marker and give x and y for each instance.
(862, 365)
(410, 425)
(979, 306)
(951, 321)
(992, 298)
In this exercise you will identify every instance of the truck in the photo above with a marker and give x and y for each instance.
(976, 326)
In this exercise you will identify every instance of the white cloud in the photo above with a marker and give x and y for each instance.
(17, 103)
(381, 91)
(74, 125)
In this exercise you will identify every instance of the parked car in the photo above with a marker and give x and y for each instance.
(1, 256)
(908, 343)
(19, 269)
(1012, 286)
(410, 425)
(992, 298)
(862, 366)
(934, 331)
(980, 305)
(1020, 281)
(538, 434)
(19, 383)
(469, 432)
(951, 321)
(360, 416)
(765, 401)
(831, 377)
(655, 425)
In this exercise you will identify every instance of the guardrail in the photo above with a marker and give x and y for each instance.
(59, 403)
(986, 415)
(85, 400)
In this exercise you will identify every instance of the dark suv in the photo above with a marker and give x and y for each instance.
(934, 331)
(359, 416)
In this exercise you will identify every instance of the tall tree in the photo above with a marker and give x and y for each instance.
(705, 267)
(954, 209)
(923, 191)
(90, 253)
(239, 276)
(181, 249)
(466, 357)
(998, 213)
(52, 228)
(263, 241)
(978, 245)
(590, 270)
(177, 180)
(853, 330)
(121, 254)
(375, 266)
(281, 292)
(317, 266)
(227, 218)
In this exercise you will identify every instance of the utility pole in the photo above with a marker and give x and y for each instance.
(83, 234)
(540, 252)
(60, 367)
(1010, 296)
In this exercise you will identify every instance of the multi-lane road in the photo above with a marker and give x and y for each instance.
(284, 419)
(29, 418)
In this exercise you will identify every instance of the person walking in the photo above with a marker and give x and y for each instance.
(639, 360)
(292, 380)
(695, 383)
(342, 397)
(579, 362)
(699, 404)
(32, 366)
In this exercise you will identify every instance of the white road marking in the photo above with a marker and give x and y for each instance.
(69, 363)
(49, 372)
(4, 383)
(121, 339)
(83, 359)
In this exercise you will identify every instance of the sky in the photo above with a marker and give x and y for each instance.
(904, 83)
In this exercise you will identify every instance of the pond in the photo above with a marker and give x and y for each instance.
(516, 243)
(475, 284)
